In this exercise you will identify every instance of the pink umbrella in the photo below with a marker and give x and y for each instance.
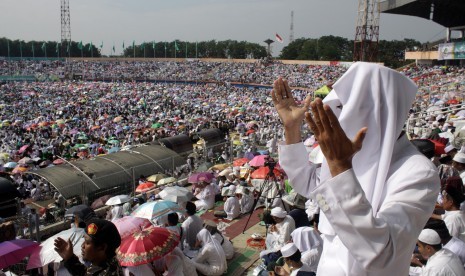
(258, 161)
(23, 148)
(12, 252)
(129, 225)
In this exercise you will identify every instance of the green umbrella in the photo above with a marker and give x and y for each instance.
(157, 125)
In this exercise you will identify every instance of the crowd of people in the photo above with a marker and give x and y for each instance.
(366, 206)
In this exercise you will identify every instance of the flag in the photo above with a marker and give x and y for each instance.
(44, 45)
(57, 47)
(133, 44)
(165, 46)
(80, 45)
(101, 45)
(153, 45)
(68, 47)
(123, 45)
(176, 46)
(279, 38)
(114, 48)
(90, 46)
(8, 43)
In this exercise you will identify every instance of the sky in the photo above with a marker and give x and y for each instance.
(115, 21)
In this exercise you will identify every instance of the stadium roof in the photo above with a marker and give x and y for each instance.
(448, 13)
(112, 171)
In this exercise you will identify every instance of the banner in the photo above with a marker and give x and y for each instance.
(451, 51)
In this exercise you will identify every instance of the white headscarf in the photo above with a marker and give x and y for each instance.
(306, 238)
(206, 238)
(379, 98)
(174, 265)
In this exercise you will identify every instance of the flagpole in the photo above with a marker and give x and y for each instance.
(165, 49)
(175, 46)
(8, 43)
(186, 49)
(144, 50)
(196, 50)
(21, 49)
(33, 54)
(153, 45)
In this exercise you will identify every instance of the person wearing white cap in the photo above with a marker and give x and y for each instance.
(279, 232)
(458, 163)
(310, 244)
(441, 261)
(292, 257)
(375, 199)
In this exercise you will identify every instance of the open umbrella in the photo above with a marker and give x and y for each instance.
(258, 161)
(219, 167)
(155, 209)
(201, 176)
(128, 225)
(240, 162)
(19, 169)
(23, 148)
(100, 202)
(262, 172)
(176, 194)
(84, 212)
(25, 160)
(10, 165)
(156, 177)
(12, 252)
(144, 187)
(45, 253)
(146, 246)
(166, 180)
(116, 200)
(58, 161)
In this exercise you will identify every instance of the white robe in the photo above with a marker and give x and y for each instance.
(211, 259)
(455, 222)
(232, 208)
(364, 244)
(457, 247)
(206, 198)
(442, 263)
(275, 240)
(226, 245)
(190, 227)
(246, 203)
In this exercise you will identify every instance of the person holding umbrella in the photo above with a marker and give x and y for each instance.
(101, 240)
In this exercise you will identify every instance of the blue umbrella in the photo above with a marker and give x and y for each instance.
(155, 209)
(10, 165)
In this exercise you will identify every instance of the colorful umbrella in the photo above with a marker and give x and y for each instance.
(128, 225)
(146, 246)
(262, 172)
(258, 161)
(25, 160)
(156, 177)
(144, 187)
(12, 252)
(116, 200)
(176, 194)
(240, 162)
(58, 161)
(155, 209)
(200, 176)
(219, 167)
(19, 169)
(166, 180)
(23, 148)
(10, 165)
(45, 253)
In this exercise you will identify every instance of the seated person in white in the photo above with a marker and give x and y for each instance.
(231, 208)
(223, 240)
(310, 244)
(280, 232)
(205, 195)
(292, 257)
(211, 259)
(245, 199)
(441, 261)
(454, 217)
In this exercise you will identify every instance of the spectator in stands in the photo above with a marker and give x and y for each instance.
(191, 226)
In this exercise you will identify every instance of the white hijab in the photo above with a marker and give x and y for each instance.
(306, 238)
(174, 266)
(379, 98)
(206, 238)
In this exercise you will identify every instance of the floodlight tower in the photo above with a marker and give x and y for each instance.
(65, 26)
(367, 31)
(291, 35)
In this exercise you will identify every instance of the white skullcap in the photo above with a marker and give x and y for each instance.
(449, 148)
(278, 212)
(459, 158)
(429, 236)
(288, 250)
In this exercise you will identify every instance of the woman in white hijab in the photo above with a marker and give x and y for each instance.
(211, 259)
(310, 244)
(374, 199)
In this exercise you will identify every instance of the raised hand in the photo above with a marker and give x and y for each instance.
(337, 148)
(64, 248)
(290, 113)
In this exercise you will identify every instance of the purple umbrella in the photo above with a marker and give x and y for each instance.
(201, 176)
(12, 252)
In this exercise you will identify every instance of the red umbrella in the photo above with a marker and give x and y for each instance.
(100, 202)
(12, 252)
(201, 176)
(23, 148)
(58, 161)
(144, 187)
(262, 172)
(239, 162)
(146, 246)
